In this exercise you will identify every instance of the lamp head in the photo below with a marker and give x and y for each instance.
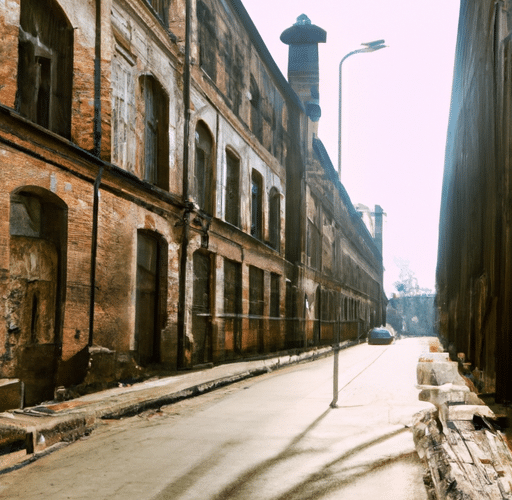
(376, 45)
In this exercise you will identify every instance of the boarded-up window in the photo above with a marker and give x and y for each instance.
(274, 219)
(123, 113)
(256, 291)
(256, 205)
(156, 133)
(232, 189)
(150, 308)
(201, 312)
(233, 302)
(204, 175)
(256, 306)
(275, 296)
(45, 65)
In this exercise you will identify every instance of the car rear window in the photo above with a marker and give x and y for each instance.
(380, 334)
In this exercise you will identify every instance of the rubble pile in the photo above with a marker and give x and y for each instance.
(466, 456)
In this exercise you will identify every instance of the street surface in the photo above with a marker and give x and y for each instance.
(273, 437)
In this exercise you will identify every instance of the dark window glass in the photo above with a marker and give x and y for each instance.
(313, 245)
(274, 219)
(204, 168)
(161, 8)
(256, 119)
(45, 65)
(232, 189)
(156, 133)
(256, 205)
(275, 297)
(256, 292)
(232, 287)
(207, 40)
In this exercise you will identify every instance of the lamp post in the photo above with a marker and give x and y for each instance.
(368, 47)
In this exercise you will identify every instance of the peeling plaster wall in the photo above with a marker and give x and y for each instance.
(145, 48)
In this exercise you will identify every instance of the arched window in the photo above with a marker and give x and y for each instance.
(232, 189)
(156, 133)
(256, 205)
(45, 65)
(274, 218)
(204, 168)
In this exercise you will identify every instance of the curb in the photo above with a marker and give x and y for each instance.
(36, 432)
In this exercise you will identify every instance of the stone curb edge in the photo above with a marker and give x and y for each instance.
(49, 436)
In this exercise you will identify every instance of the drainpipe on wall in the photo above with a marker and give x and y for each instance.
(97, 182)
(186, 215)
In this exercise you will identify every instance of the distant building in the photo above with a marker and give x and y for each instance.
(166, 202)
(412, 315)
(373, 221)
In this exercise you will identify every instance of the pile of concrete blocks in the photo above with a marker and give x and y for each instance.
(465, 455)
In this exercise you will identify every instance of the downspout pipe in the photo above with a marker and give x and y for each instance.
(184, 245)
(96, 152)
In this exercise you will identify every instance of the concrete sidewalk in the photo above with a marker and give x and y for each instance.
(27, 434)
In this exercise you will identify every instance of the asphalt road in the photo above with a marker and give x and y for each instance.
(273, 437)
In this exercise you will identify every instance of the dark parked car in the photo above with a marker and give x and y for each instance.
(380, 336)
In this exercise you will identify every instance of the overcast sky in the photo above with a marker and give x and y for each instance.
(395, 109)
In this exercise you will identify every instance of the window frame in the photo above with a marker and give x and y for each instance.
(256, 205)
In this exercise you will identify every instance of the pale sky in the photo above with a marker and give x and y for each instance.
(395, 109)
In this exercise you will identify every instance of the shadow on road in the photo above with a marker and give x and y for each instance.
(327, 479)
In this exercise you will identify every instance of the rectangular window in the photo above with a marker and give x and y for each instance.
(232, 287)
(256, 291)
(156, 133)
(201, 308)
(275, 283)
(204, 168)
(257, 205)
(207, 39)
(123, 113)
(313, 246)
(232, 189)
(233, 302)
(274, 218)
(150, 134)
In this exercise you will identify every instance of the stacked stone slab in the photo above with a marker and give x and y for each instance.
(465, 455)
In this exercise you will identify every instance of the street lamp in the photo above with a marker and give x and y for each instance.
(368, 47)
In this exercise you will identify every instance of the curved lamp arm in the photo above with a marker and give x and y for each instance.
(369, 47)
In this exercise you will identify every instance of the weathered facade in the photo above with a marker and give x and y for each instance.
(474, 285)
(148, 151)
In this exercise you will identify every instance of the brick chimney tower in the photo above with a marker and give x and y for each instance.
(378, 214)
(303, 75)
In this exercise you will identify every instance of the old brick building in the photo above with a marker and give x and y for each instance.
(474, 285)
(165, 199)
